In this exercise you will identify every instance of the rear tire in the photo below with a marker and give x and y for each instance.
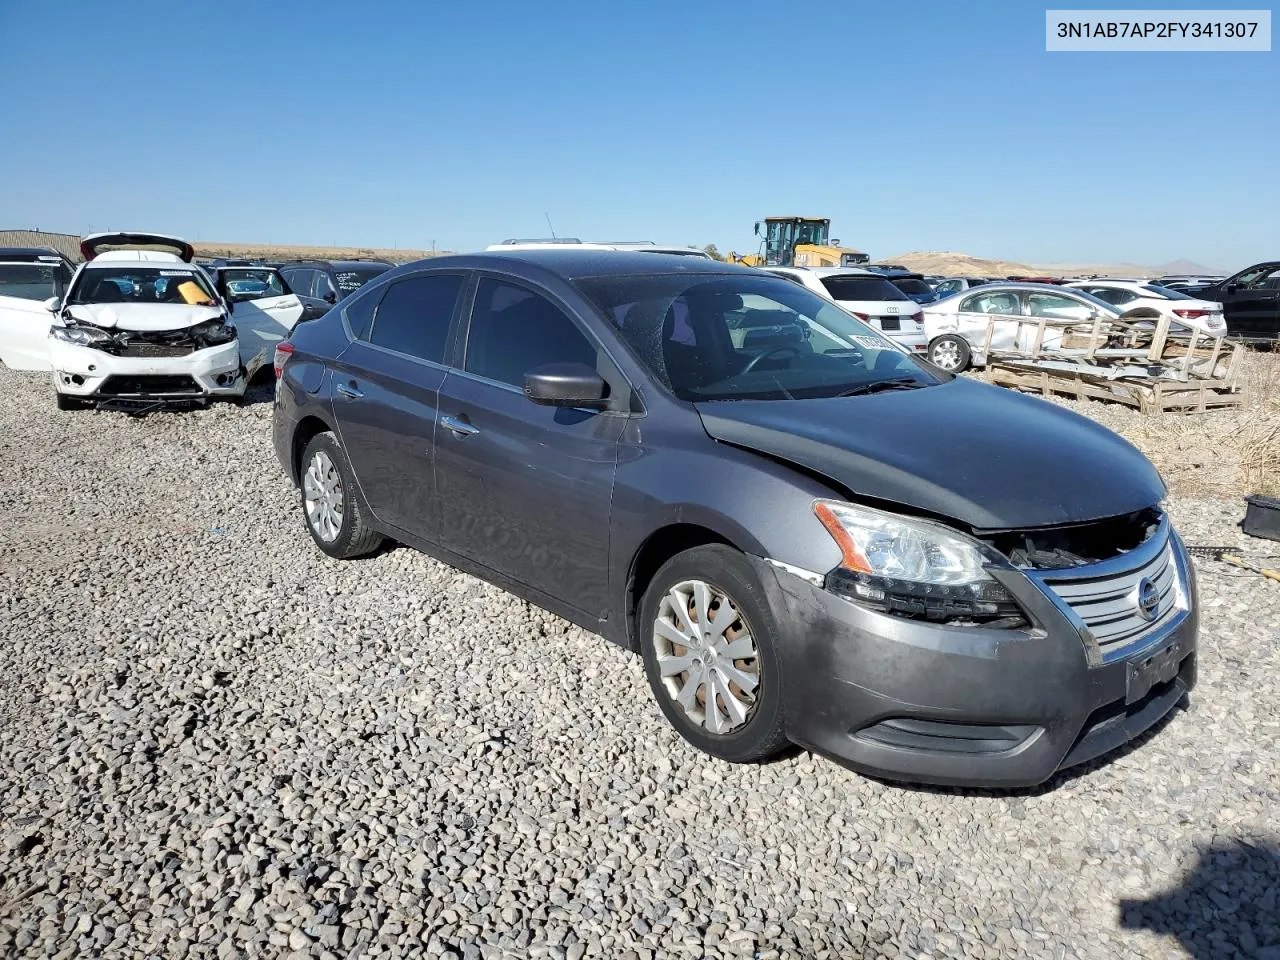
(331, 509)
(950, 352)
(727, 701)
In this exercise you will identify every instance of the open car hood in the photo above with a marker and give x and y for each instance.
(987, 457)
(98, 243)
(144, 317)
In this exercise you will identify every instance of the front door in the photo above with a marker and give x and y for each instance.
(24, 319)
(385, 389)
(264, 314)
(1251, 302)
(526, 489)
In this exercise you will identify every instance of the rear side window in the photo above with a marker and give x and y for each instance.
(299, 281)
(1112, 295)
(413, 316)
(912, 285)
(359, 313)
(514, 330)
(862, 288)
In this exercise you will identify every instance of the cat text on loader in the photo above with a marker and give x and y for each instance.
(800, 242)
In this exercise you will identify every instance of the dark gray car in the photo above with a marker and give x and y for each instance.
(806, 533)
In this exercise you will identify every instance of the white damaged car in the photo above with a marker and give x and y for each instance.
(142, 326)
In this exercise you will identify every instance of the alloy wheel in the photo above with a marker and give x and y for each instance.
(707, 656)
(323, 496)
(945, 355)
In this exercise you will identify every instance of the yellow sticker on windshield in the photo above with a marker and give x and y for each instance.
(191, 293)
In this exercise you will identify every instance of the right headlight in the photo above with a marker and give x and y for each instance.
(80, 336)
(913, 567)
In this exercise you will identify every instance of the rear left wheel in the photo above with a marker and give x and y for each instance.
(707, 642)
(329, 503)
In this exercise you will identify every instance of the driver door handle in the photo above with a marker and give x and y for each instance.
(460, 428)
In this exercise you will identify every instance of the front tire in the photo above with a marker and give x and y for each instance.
(66, 402)
(707, 638)
(330, 507)
(950, 352)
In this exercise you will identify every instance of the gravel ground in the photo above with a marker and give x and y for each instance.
(214, 741)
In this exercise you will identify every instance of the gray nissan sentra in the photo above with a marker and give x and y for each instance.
(807, 534)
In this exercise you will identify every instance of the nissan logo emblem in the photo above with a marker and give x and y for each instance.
(1148, 599)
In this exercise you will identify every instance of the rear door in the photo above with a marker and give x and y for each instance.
(527, 488)
(386, 387)
(24, 319)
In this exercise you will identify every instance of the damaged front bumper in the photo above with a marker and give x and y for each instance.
(95, 375)
(978, 706)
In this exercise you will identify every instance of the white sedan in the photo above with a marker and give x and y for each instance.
(868, 296)
(1136, 298)
(956, 327)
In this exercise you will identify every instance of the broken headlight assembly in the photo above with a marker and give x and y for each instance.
(80, 336)
(914, 568)
(213, 332)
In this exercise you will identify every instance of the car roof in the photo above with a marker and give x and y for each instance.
(30, 252)
(371, 262)
(572, 263)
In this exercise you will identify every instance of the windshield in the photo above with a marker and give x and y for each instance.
(862, 288)
(252, 284)
(712, 337)
(31, 281)
(141, 284)
(354, 279)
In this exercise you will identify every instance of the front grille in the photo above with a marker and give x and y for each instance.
(1108, 605)
(143, 349)
(150, 386)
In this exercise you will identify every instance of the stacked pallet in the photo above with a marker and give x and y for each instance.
(1151, 364)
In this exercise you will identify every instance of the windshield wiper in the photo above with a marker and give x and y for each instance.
(896, 383)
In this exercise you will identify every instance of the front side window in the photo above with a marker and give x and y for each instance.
(514, 330)
(322, 286)
(243, 283)
(1002, 302)
(715, 337)
(29, 281)
(414, 314)
(140, 284)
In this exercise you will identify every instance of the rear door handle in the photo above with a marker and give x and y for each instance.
(460, 428)
(351, 392)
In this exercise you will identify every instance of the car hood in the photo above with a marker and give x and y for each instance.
(987, 457)
(144, 316)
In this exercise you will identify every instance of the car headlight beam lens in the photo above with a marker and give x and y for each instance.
(912, 567)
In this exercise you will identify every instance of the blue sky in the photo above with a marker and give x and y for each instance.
(914, 126)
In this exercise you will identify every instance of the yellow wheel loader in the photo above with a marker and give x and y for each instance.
(800, 242)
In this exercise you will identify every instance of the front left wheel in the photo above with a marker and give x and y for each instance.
(707, 638)
(66, 402)
(332, 511)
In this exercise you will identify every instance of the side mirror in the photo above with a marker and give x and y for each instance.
(757, 228)
(330, 298)
(53, 304)
(1232, 287)
(566, 385)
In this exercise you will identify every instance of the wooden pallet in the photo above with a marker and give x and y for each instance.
(1146, 395)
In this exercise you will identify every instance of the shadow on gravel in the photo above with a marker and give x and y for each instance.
(1226, 906)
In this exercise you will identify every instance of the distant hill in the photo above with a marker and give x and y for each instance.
(951, 264)
(268, 251)
(1189, 266)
